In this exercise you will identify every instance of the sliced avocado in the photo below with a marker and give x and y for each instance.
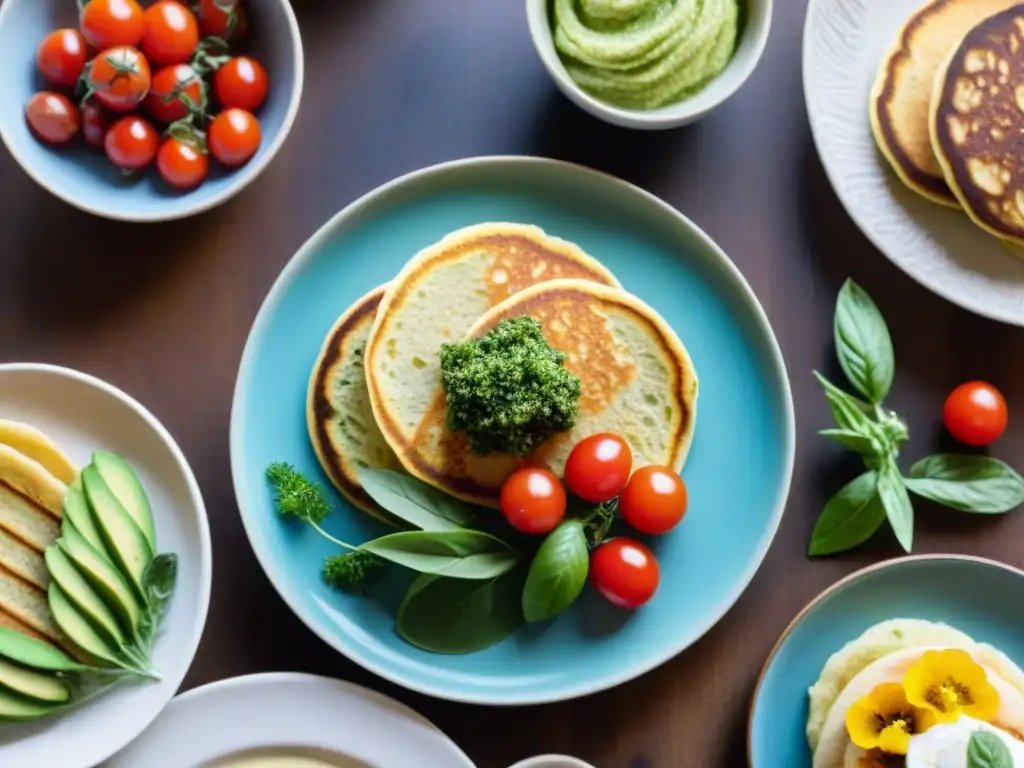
(108, 582)
(127, 488)
(15, 707)
(78, 629)
(82, 596)
(30, 652)
(125, 541)
(34, 685)
(76, 509)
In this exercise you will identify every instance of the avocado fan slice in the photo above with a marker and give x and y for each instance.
(125, 541)
(30, 652)
(76, 509)
(78, 629)
(102, 576)
(124, 483)
(20, 708)
(82, 596)
(41, 686)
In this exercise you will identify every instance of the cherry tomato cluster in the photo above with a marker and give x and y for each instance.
(652, 500)
(132, 70)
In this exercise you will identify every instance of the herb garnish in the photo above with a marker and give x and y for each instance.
(986, 750)
(508, 391)
(971, 483)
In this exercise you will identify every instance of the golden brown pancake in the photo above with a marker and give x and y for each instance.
(901, 97)
(341, 425)
(977, 123)
(637, 380)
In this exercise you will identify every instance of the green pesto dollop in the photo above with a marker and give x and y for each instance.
(645, 54)
(508, 390)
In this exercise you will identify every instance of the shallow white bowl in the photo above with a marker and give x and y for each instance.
(552, 761)
(82, 414)
(751, 44)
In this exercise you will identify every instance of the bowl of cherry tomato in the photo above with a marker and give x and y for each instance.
(147, 110)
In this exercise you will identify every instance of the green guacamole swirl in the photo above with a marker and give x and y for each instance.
(644, 54)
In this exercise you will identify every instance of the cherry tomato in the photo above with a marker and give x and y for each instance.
(222, 18)
(52, 117)
(598, 467)
(654, 500)
(182, 164)
(241, 82)
(234, 137)
(131, 143)
(96, 121)
(61, 57)
(171, 33)
(170, 92)
(120, 77)
(975, 413)
(625, 572)
(533, 500)
(106, 23)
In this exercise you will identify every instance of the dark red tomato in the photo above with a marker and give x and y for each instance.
(625, 572)
(131, 143)
(172, 89)
(171, 33)
(533, 500)
(61, 57)
(181, 164)
(598, 467)
(96, 121)
(52, 117)
(241, 82)
(975, 413)
(233, 137)
(654, 500)
(222, 18)
(120, 77)
(106, 23)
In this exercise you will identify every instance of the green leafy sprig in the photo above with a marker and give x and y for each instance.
(986, 750)
(971, 483)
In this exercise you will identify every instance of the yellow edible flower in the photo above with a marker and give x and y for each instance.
(949, 683)
(884, 719)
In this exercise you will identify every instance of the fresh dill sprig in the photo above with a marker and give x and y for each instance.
(353, 571)
(295, 495)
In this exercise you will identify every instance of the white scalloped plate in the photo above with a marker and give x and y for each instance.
(844, 43)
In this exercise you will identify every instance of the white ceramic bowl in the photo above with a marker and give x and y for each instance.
(552, 761)
(81, 414)
(751, 44)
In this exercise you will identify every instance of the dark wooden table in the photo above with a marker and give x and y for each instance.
(393, 85)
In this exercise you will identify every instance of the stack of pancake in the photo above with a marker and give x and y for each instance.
(947, 109)
(376, 398)
(34, 475)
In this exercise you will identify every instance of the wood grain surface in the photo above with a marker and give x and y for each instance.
(393, 85)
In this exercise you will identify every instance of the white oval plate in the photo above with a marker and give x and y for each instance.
(342, 723)
(844, 43)
(81, 414)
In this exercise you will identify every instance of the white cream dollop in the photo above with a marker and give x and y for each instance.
(945, 745)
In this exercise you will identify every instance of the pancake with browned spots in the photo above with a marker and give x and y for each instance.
(977, 123)
(341, 425)
(436, 298)
(901, 97)
(637, 380)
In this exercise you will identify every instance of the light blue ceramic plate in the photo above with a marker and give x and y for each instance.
(980, 597)
(738, 471)
(84, 177)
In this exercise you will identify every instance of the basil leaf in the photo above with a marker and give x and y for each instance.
(849, 412)
(158, 582)
(850, 517)
(557, 574)
(415, 502)
(863, 344)
(986, 750)
(968, 483)
(893, 494)
(855, 441)
(445, 615)
(461, 554)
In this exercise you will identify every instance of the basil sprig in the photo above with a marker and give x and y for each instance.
(986, 750)
(865, 426)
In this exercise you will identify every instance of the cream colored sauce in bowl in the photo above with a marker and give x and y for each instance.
(286, 758)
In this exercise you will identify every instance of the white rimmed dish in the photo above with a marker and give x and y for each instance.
(753, 38)
(552, 761)
(844, 44)
(82, 414)
(341, 723)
